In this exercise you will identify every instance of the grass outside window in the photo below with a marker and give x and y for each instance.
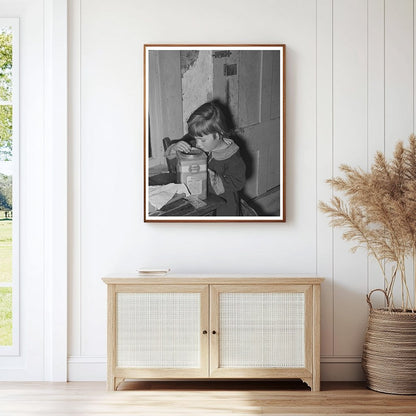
(5, 277)
(6, 316)
(5, 250)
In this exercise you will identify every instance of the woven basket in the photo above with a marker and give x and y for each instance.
(389, 353)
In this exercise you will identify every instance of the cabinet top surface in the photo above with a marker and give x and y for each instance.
(173, 278)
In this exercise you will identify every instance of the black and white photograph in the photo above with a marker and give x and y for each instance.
(214, 136)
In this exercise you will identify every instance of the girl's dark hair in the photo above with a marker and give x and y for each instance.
(209, 118)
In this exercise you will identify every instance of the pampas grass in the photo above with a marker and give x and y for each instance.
(379, 214)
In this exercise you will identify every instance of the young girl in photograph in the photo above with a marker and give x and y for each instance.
(226, 169)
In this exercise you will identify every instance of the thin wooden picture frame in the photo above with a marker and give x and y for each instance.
(214, 133)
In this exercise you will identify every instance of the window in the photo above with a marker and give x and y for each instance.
(9, 273)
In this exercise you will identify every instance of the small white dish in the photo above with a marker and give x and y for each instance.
(153, 272)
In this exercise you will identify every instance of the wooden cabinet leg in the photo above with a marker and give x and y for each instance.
(114, 382)
(313, 383)
(308, 381)
(316, 384)
(111, 383)
(118, 381)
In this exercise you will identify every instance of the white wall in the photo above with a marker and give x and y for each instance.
(350, 91)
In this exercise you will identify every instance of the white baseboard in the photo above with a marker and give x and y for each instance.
(332, 368)
(84, 368)
(341, 369)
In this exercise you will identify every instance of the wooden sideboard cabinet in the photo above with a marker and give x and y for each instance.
(187, 327)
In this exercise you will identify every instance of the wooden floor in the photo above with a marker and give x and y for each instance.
(198, 398)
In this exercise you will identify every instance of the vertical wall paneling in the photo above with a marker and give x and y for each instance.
(350, 146)
(414, 68)
(399, 71)
(100, 159)
(376, 104)
(324, 261)
(414, 118)
(399, 83)
(74, 178)
(55, 140)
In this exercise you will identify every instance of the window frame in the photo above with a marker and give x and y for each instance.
(14, 349)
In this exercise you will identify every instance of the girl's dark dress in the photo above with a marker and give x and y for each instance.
(230, 168)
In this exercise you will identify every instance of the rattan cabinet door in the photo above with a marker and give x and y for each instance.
(161, 331)
(261, 331)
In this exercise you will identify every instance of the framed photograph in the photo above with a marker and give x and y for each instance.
(214, 133)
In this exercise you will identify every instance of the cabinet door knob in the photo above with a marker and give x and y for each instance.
(214, 332)
(205, 332)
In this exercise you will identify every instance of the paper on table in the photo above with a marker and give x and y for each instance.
(160, 195)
